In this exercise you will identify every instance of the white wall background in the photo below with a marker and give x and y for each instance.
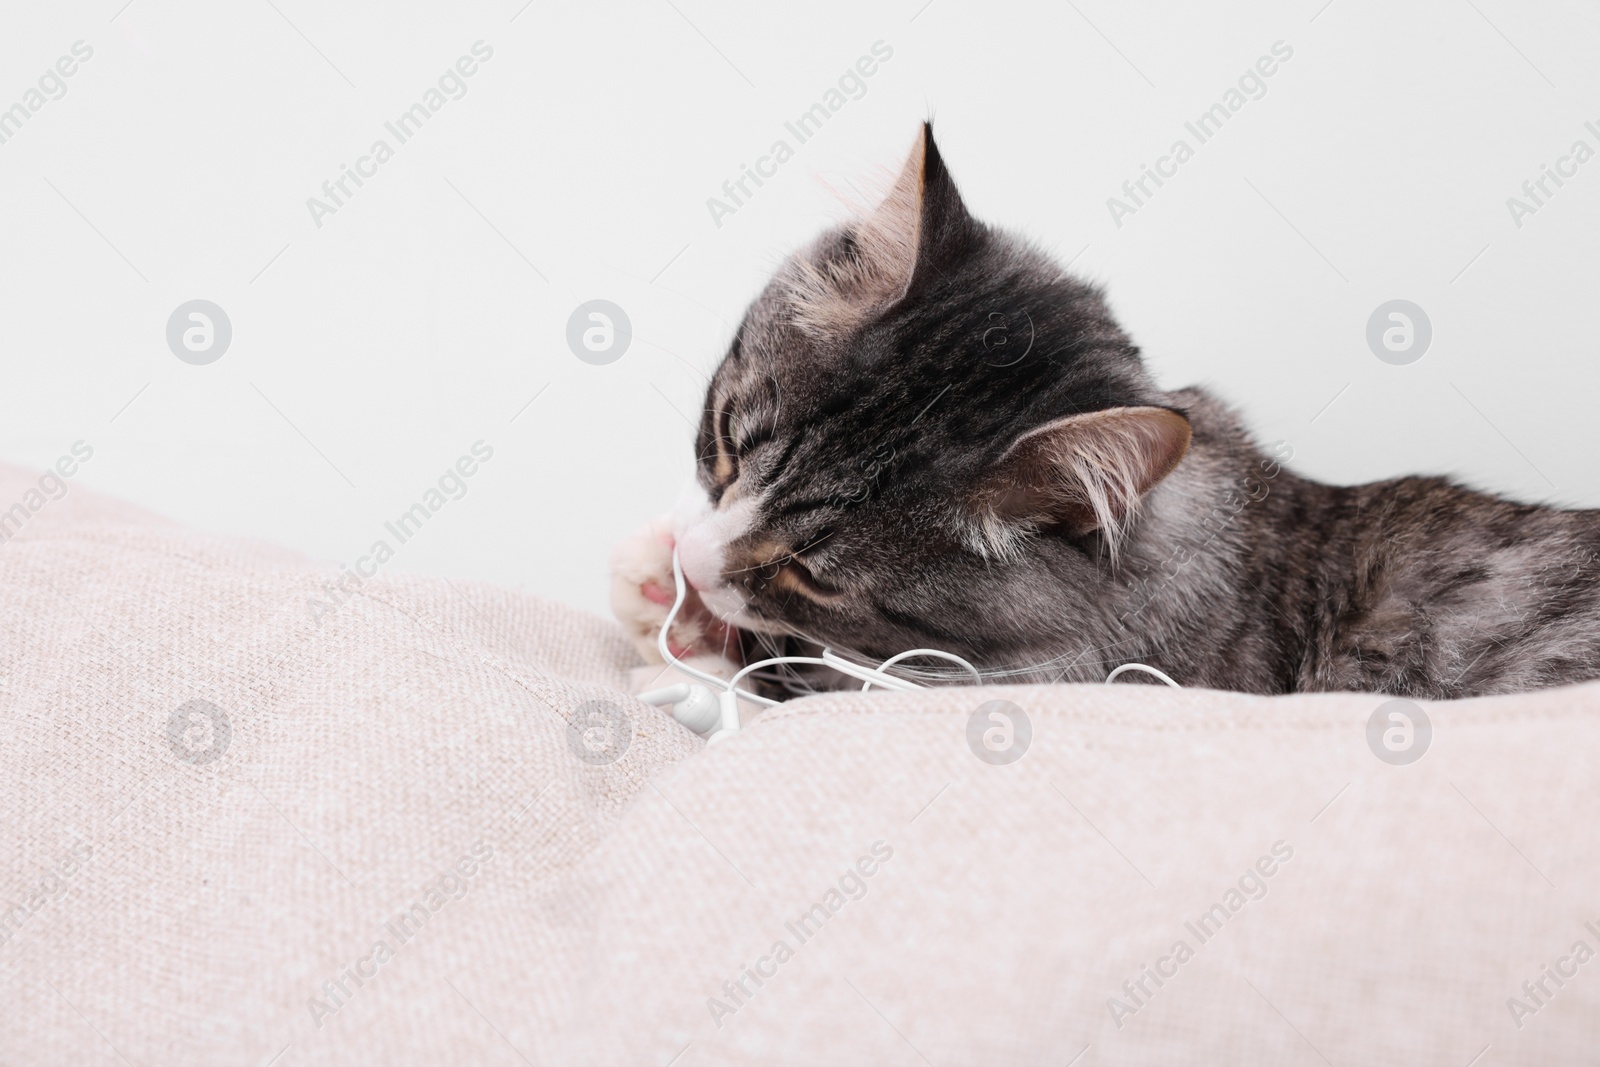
(369, 354)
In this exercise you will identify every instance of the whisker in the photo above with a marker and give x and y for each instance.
(796, 553)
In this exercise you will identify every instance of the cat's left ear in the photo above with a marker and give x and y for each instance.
(919, 234)
(922, 229)
(944, 231)
(1081, 473)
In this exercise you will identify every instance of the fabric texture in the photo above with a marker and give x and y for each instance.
(218, 800)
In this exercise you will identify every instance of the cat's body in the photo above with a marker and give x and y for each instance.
(927, 435)
(1241, 575)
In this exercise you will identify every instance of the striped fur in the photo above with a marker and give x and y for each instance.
(953, 444)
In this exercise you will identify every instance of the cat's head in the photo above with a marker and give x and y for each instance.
(925, 433)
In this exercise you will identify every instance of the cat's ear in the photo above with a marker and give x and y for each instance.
(1080, 473)
(920, 232)
(922, 227)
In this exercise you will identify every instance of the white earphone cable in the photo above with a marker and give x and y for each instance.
(869, 676)
(952, 657)
(1140, 667)
(681, 589)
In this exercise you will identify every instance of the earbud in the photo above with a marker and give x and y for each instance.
(693, 705)
(727, 715)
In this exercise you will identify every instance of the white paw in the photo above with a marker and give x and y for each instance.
(642, 595)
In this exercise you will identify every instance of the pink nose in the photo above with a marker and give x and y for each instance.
(699, 558)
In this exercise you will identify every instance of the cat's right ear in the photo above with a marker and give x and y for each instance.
(1081, 473)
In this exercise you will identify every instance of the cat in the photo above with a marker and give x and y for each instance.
(926, 434)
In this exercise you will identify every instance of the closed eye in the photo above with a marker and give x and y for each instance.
(725, 462)
(751, 441)
(733, 442)
(785, 570)
(792, 573)
(802, 565)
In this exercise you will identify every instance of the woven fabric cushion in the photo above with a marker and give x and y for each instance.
(248, 818)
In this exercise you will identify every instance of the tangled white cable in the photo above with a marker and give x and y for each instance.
(717, 714)
(697, 708)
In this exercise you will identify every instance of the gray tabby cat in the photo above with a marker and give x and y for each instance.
(927, 434)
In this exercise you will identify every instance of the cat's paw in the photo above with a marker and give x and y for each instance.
(642, 592)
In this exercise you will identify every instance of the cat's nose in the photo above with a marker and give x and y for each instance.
(700, 558)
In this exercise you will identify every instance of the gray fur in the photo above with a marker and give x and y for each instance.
(874, 430)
